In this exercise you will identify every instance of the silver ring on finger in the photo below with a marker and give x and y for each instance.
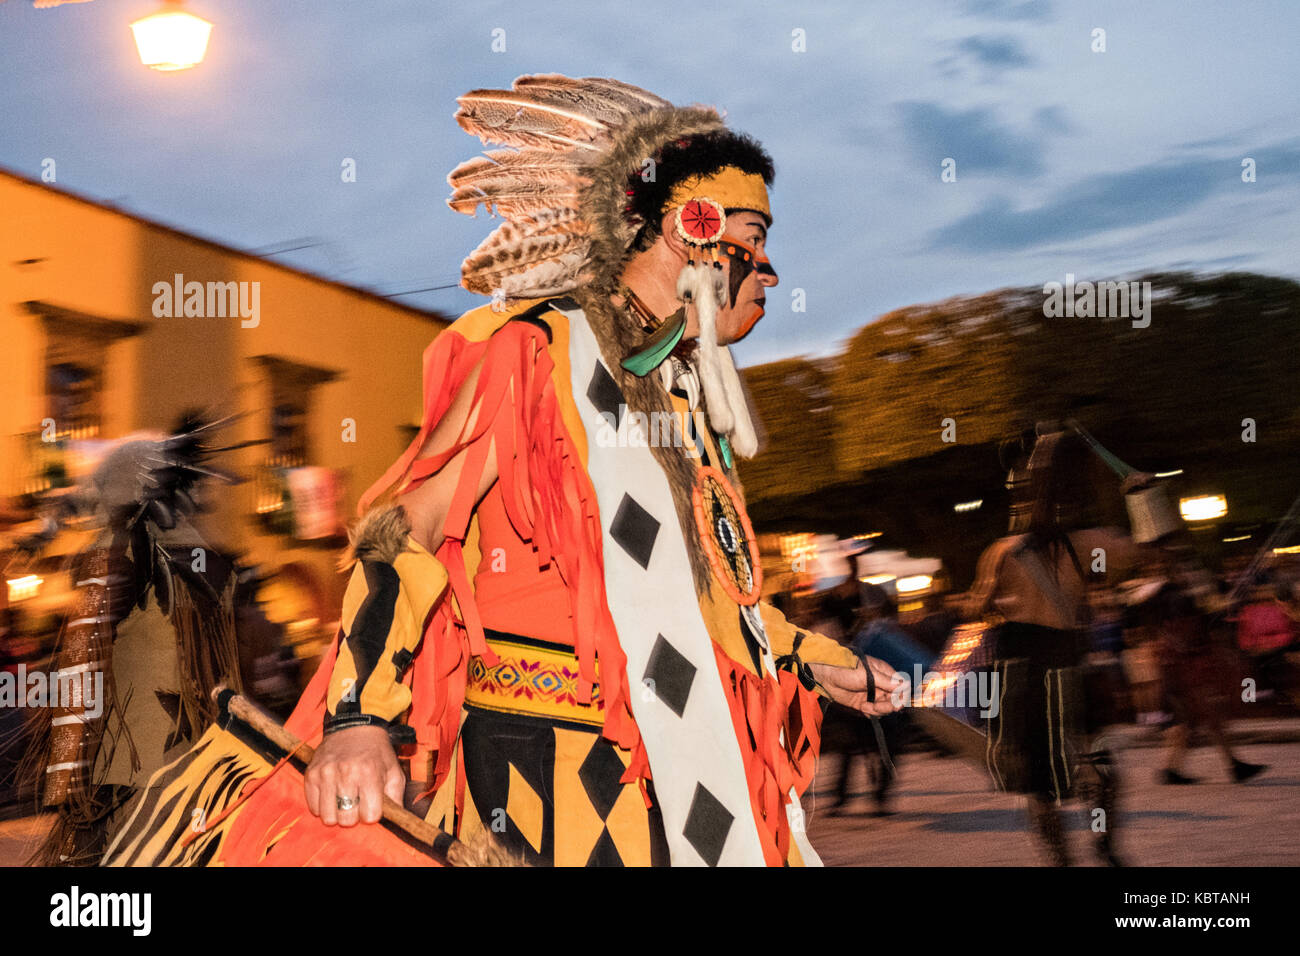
(346, 803)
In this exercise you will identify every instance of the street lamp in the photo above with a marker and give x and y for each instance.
(171, 39)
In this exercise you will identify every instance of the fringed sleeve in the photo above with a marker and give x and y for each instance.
(550, 503)
(796, 647)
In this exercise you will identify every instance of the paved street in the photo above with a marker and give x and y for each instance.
(947, 816)
(18, 838)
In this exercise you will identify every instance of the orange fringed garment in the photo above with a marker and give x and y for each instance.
(549, 501)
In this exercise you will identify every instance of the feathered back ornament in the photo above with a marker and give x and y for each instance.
(559, 184)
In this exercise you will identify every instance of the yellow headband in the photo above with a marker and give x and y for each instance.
(730, 186)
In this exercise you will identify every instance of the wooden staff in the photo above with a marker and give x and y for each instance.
(437, 842)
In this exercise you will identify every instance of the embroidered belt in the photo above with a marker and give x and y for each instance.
(535, 678)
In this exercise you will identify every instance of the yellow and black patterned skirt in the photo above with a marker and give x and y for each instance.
(538, 774)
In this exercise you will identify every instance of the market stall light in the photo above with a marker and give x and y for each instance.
(793, 544)
(1169, 474)
(913, 583)
(1294, 549)
(968, 505)
(171, 39)
(27, 586)
(1203, 507)
(877, 579)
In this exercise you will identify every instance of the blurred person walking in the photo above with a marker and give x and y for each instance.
(1035, 585)
(880, 636)
(1266, 634)
(1193, 664)
(941, 617)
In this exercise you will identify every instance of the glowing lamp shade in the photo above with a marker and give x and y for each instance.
(171, 39)
(1203, 507)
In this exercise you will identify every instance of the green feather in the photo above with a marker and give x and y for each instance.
(662, 341)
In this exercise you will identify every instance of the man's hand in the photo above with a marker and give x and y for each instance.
(848, 686)
(358, 763)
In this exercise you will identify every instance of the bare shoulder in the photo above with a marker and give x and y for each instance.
(1104, 537)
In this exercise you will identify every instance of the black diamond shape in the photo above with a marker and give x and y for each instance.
(707, 825)
(635, 529)
(670, 675)
(600, 773)
(604, 853)
(604, 393)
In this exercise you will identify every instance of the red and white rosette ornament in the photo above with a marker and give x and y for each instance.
(701, 222)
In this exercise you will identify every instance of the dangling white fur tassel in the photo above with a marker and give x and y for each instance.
(744, 439)
(725, 396)
(695, 284)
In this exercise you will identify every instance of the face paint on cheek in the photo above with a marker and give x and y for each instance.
(750, 322)
(744, 262)
(741, 257)
(740, 270)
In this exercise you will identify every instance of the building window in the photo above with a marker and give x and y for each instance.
(291, 389)
(73, 393)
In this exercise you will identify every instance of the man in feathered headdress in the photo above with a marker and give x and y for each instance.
(554, 613)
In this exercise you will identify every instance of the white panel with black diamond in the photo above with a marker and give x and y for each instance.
(677, 695)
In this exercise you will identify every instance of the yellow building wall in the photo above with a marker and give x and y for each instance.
(78, 255)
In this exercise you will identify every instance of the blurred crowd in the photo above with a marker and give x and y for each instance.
(1227, 648)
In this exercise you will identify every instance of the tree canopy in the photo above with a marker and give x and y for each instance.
(856, 442)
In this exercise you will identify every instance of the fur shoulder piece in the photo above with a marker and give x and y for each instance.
(379, 535)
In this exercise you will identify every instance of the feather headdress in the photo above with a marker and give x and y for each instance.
(571, 145)
(563, 186)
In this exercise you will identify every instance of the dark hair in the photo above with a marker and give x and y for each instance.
(682, 159)
(1058, 483)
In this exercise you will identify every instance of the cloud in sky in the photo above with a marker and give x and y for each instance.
(975, 138)
(996, 51)
(1010, 9)
(1132, 197)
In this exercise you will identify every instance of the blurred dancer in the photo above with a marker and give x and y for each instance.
(1192, 663)
(1036, 584)
(153, 625)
